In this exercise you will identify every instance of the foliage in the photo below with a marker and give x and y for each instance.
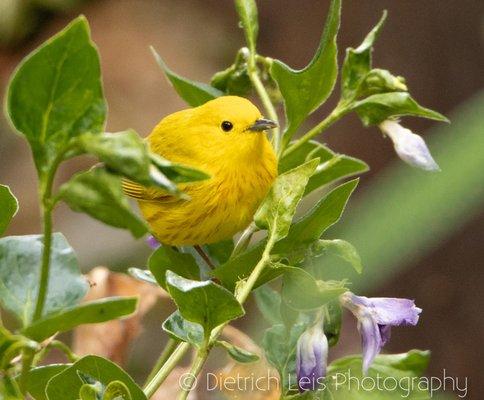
(55, 100)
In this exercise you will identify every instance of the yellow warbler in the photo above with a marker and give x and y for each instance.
(224, 138)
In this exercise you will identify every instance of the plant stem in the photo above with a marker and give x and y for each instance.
(194, 371)
(27, 358)
(335, 115)
(264, 97)
(44, 271)
(165, 370)
(47, 204)
(244, 292)
(165, 354)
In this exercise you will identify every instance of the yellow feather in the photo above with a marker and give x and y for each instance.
(241, 162)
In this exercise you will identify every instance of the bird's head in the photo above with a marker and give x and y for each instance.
(230, 126)
(232, 117)
(228, 129)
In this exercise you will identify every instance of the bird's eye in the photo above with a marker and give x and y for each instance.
(227, 126)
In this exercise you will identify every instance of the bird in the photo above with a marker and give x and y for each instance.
(227, 139)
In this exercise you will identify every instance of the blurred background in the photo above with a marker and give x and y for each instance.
(420, 235)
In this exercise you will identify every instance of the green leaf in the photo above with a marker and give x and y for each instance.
(66, 385)
(8, 207)
(166, 258)
(306, 230)
(278, 208)
(380, 81)
(98, 193)
(247, 10)
(279, 345)
(301, 291)
(220, 251)
(87, 313)
(377, 108)
(332, 167)
(234, 80)
(343, 249)
(177, 172)
(194, 93)
(56, 93)
(269, 303)
(239, 267)
(323, 215)
(116, 390)
(403, 369)
(180, 328)
(305, 90)
(20, 259)
(357, 62)
(124, 152)
(142, 275)
(40, 376)
(203, 302)
(238, 354)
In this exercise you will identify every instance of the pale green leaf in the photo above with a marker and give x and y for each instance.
(238, 354)
(278, 208)
(269, 303)
(20, 259)
(203, 302)
(301, 291)
(143, 275)
(341, 248)
(166, 258)
(87, 313)
(180, 328)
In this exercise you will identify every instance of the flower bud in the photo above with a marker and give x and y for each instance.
(410, 147)
(311, 358)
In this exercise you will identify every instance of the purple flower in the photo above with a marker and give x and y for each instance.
(152, 242)
(311, 358)
(376, 316)
(409, 146)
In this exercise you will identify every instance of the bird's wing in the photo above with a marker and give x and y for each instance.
(140, 192)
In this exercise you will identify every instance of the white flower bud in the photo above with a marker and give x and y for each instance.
(409, 146)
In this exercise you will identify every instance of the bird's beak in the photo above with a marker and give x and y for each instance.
(261, 125)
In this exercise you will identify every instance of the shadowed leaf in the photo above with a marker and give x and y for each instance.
(194, 93)
(305, 90)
